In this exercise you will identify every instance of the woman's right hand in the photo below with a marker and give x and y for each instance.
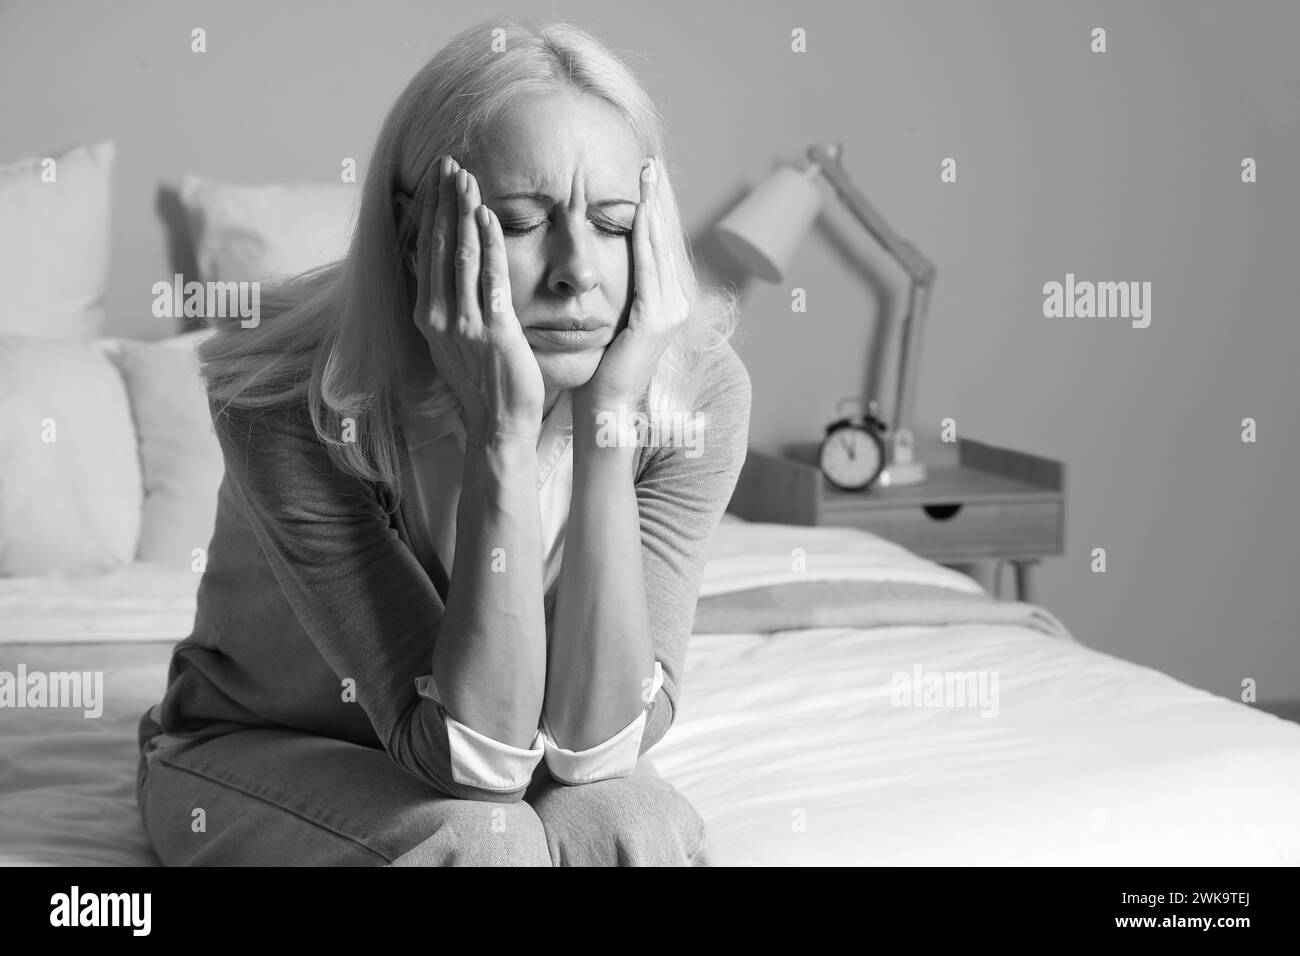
(464, 311)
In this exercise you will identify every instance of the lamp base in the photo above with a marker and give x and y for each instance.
(901, 468)
(912, 473)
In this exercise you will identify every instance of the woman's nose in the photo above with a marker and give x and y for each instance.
(573, 268)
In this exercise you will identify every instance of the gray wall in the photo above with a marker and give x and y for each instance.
(1122, 166)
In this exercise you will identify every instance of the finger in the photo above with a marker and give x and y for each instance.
(495, 273)
(645, 274)
(644, 271)
(469, 255)
(659, 234)
(442, 274)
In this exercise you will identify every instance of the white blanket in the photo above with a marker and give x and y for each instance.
(746, 555)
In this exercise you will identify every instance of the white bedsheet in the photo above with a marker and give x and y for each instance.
(792, 750)
(788, 744)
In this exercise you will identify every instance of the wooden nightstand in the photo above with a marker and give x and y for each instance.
(992, 505)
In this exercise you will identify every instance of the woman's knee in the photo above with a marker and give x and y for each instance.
(479, 833)
(268, 797)
(627, 821)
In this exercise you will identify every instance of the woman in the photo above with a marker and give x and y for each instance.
(448, 596)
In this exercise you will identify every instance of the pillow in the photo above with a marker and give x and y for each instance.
(186, 340)
(179, 453)
(54, 243)
(247, 233)
(70, 483)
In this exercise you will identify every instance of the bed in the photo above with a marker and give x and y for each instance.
(803, 745)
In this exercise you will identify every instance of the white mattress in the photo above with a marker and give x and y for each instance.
(788, 744)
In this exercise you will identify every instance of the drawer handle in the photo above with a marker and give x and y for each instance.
(941, 512)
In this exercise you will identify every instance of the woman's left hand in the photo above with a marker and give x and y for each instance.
(659, 307)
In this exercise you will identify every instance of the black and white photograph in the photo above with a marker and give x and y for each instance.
(691, 434)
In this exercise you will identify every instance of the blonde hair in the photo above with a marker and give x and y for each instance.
(341, 336)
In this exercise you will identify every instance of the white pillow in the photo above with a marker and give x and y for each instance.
(72, 504)
(179, 453)
(187, 340)
(245, 233)
(54, 243)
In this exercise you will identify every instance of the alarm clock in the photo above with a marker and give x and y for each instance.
(852, 454)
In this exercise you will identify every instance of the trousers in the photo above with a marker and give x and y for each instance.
(273, 797)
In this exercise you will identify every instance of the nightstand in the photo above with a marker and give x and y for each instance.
(989, 506)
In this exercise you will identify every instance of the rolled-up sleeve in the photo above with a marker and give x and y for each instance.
(356, 588)
(615, 757)
(478, 760)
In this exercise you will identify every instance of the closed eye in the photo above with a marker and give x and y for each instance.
(525, 227)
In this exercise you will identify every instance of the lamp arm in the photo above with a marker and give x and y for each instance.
(922, 271)
(909, 353)
(916, 265)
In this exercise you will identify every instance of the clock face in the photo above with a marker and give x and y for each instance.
(850, 458)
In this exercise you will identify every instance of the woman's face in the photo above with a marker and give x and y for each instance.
(562, 174)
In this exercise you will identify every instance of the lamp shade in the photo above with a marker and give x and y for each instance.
(765, 230)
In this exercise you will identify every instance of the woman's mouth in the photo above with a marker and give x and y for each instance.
(573, 338)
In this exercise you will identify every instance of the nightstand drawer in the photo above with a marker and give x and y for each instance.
(966, 531)
(994, 503)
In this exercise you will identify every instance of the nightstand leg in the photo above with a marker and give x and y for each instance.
(1023, 591)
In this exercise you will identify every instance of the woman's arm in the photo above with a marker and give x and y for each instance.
(601, 651)
(648, 531)
(489, 663)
